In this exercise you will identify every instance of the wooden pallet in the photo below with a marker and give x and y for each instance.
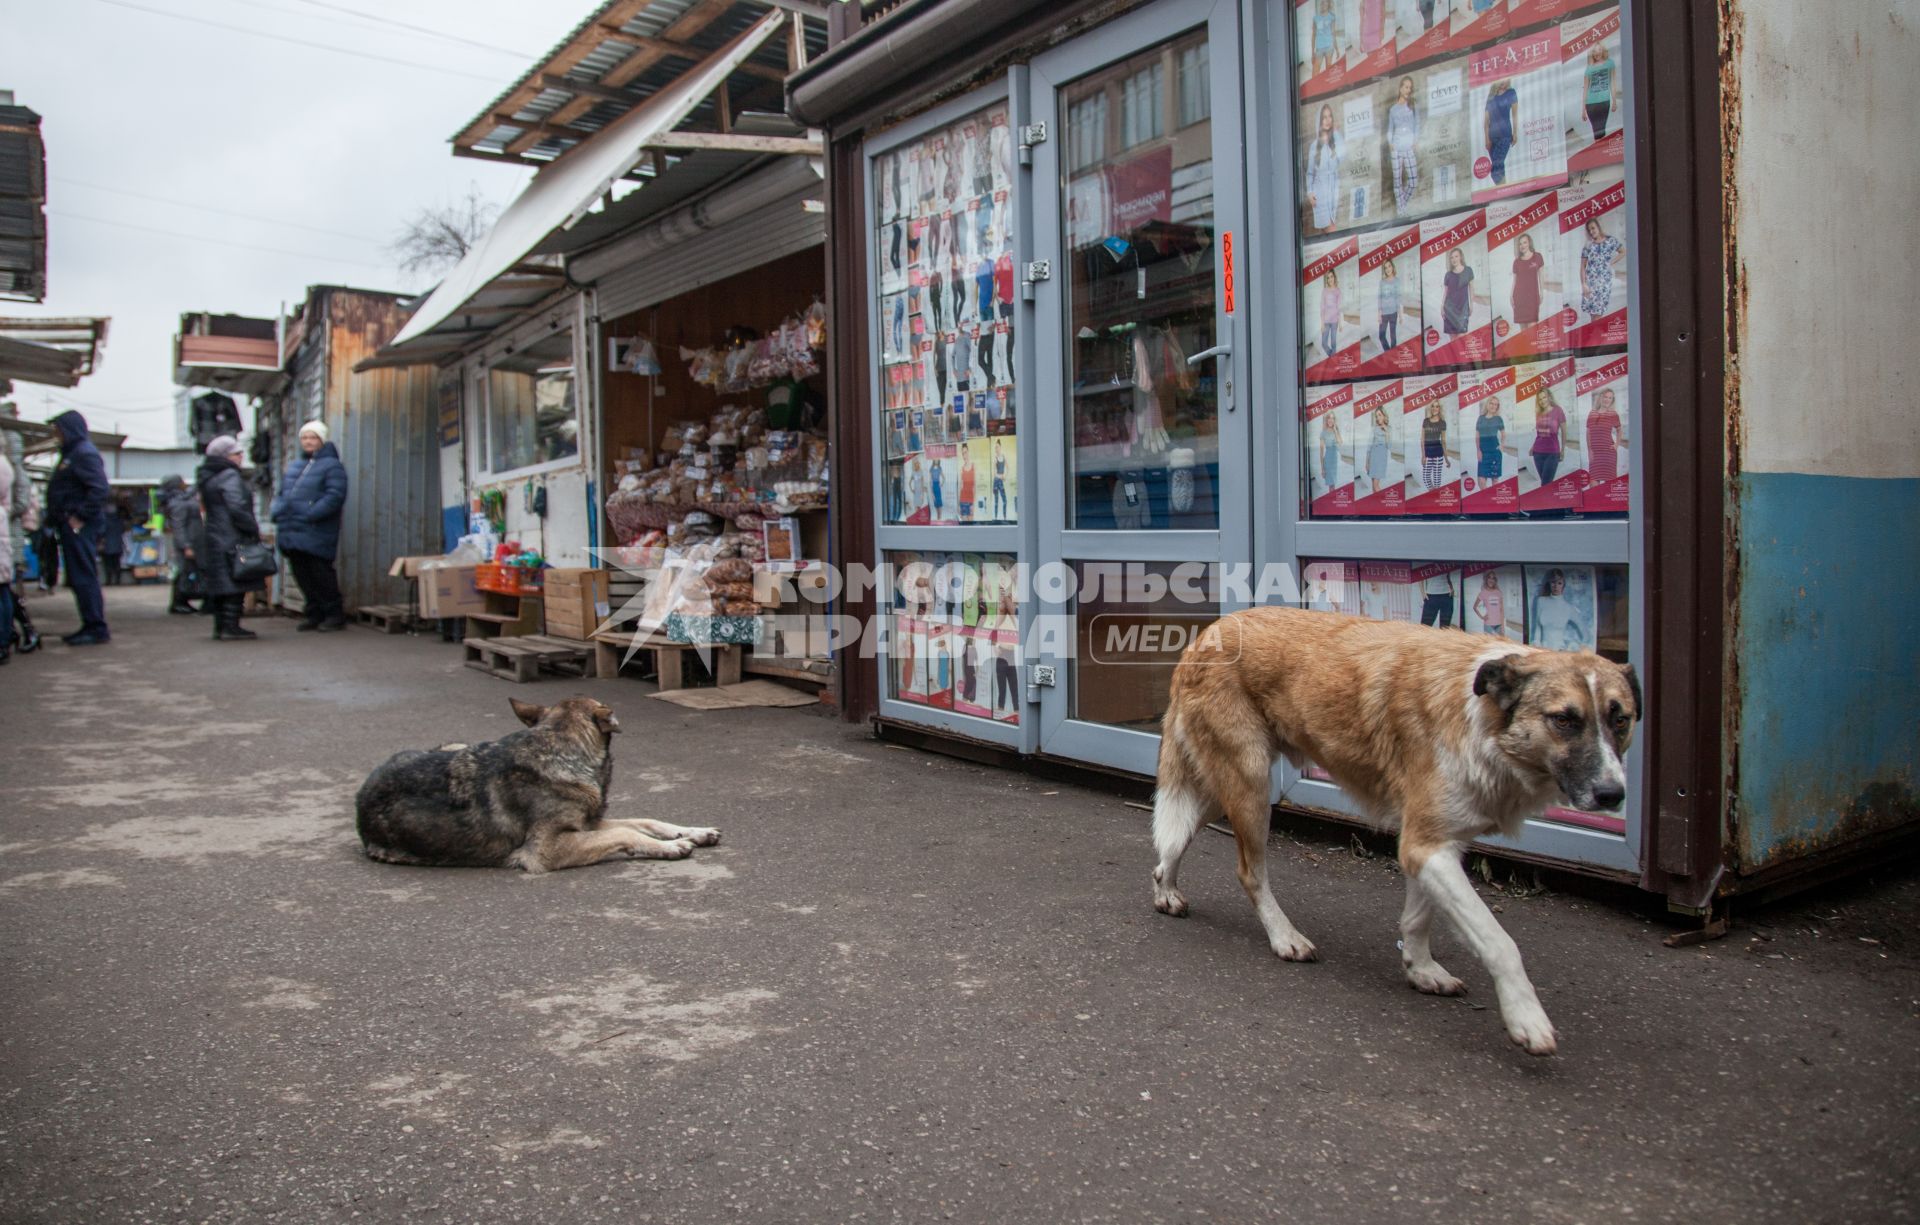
(788, 668)
(521, 659)
(669, 658)
(387, 618)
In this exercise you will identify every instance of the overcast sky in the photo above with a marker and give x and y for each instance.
(315, 158)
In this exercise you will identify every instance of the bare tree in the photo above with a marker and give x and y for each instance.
(439, 236)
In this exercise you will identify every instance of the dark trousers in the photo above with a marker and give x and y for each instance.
(83, 575)
(6, 617)
(319, 585)
(1006, 683)
(110, 568)
(1437, 611)
(1548, 466)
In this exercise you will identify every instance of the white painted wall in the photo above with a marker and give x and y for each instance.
(1828, 237)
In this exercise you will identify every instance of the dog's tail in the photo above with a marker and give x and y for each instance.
(1180, 805)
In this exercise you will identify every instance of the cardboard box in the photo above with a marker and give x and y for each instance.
(577, 601)
(410, 567)
(449, 591)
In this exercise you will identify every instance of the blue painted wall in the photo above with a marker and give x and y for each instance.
(1828, 652)
(453, 525)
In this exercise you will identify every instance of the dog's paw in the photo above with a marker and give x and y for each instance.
(1532, 1032)
(1170, 902)
(656, 848)
(701, 836)
(678, 848)
(1433, 980)
(1294, 947)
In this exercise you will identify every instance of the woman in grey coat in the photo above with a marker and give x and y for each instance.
(227, 509)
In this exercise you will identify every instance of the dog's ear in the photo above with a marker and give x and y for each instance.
(1501, 679)
(1633, 683)
(526, 712)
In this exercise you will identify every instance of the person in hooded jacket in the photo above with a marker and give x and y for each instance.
(77, 494)
(182, 509)
(226, 507)
(307, 510)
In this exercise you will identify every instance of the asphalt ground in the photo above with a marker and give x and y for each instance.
(904, 988)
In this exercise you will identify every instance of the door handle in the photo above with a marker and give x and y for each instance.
(1224, 351)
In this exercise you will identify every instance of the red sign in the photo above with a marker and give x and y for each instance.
(1226, 259)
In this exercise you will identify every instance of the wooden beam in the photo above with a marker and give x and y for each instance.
(797, 44)
(688, 25)
(801, 8)
(541, 127)
(723, 108)
(737, 143)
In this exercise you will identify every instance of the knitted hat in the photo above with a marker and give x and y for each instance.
(315, 427)
(222, 446)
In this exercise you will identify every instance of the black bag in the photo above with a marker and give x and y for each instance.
(253, 560)
(192, 585)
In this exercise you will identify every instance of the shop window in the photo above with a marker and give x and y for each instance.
(1143, 106)
(954, 635)
(944, 260)
(1196, 85)
(1132, 622)
(1463, 283)
(531, 414)
(1142, 299)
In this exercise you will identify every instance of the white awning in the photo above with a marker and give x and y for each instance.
(562, 193)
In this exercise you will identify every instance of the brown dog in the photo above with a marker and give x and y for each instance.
(1441, 735)
(534, 800)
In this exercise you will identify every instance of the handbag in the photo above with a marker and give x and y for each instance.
(253, 559)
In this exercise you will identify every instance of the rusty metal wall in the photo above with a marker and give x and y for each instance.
(383, 422)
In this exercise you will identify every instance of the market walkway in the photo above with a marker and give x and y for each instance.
(904, 988)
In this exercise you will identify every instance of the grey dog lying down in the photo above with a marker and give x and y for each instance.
(534, 800)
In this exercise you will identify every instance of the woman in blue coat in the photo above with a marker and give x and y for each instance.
(313, 493)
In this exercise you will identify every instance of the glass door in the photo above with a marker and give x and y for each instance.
(1144, 445)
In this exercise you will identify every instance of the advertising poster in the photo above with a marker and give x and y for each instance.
(1456, 303)
(1431, 445)
(1326, 415)
(1554, 470)
(974, 650)
(1593, 242)
(1330, 308)
(1424, 147)
(1491, 434)
(1494, 600)
(1006, 675)
(1338, 41)
(1340, 147)
(1529, 304)
(1389, 293)
(1331, 586)
(1437, 585)
(1423, 30)
(1600, 393)
(943, 483)
(1379, 458)
(1519, 142)
(1592, 92)
(1479, 21)
(1561, 607)
(1387, 590)
(940, 670)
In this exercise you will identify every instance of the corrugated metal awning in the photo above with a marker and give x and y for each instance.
(562, 193)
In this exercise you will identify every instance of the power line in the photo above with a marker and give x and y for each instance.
(402, 25)
(208, 208)
(300, 42)
(128, 225)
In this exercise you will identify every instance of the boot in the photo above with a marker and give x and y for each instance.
(226, 620)
(29, 641)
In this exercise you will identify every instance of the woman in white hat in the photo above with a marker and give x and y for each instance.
(313, 493)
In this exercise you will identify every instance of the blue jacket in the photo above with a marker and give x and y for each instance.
(78, 488)
(313, 493)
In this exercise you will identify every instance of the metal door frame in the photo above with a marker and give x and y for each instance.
(1049, 73)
